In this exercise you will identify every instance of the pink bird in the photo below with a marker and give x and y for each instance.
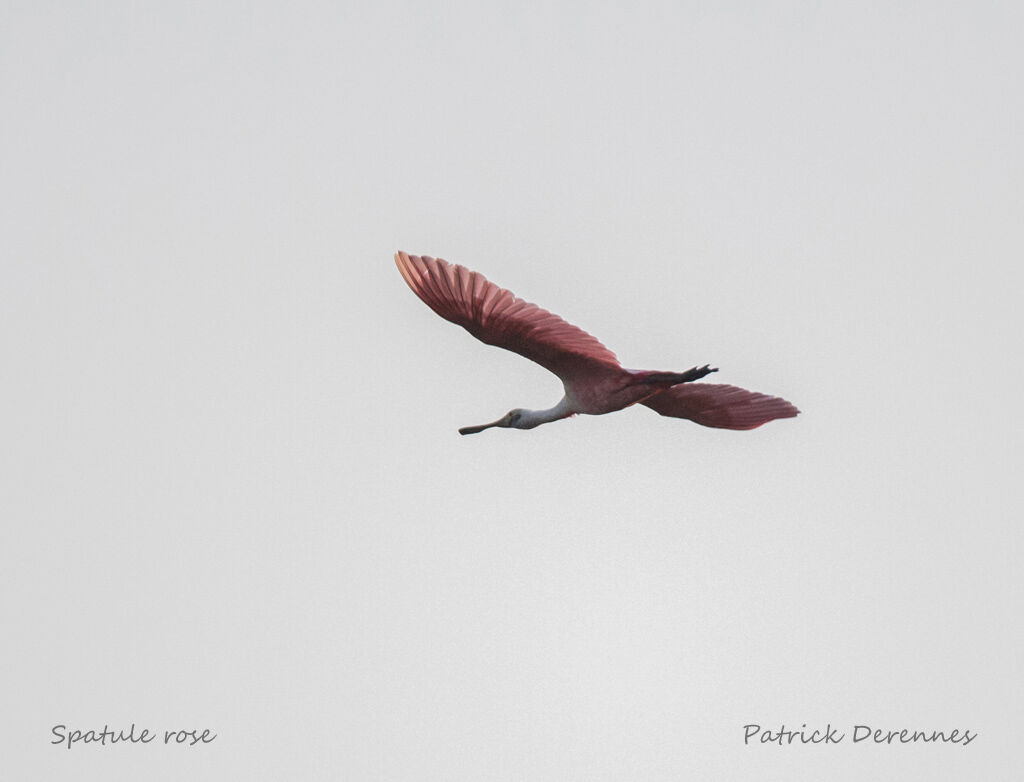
(594, 381)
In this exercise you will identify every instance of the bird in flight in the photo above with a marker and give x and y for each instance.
(594, 381)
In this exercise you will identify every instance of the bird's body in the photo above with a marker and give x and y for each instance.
(594, 381)
(605, 391)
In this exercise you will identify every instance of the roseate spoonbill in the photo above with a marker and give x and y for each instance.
(594, 381)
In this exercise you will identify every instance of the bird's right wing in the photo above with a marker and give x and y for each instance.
(720, 406)
(498, 317)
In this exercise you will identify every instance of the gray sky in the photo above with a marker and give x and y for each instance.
(233, 492)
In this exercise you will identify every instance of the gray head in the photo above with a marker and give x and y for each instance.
(513, 419)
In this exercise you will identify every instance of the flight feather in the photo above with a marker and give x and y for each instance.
(498, 317)
(720, 406)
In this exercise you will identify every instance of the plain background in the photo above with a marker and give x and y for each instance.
(232, 491)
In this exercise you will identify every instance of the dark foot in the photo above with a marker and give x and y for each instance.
(697, 373)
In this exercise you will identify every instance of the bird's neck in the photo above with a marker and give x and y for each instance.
(532, 418)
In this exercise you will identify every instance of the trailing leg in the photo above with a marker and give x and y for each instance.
(673, 378)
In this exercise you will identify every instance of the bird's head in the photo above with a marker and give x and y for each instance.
(513, 419)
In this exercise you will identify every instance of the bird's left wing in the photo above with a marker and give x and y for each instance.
(720, 406)
(498, 317)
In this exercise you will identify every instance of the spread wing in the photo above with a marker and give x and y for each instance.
(498, 317)
(720, 406)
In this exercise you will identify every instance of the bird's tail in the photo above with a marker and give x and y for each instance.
(674, 378)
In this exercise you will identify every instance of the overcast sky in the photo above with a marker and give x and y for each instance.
(233, 493)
